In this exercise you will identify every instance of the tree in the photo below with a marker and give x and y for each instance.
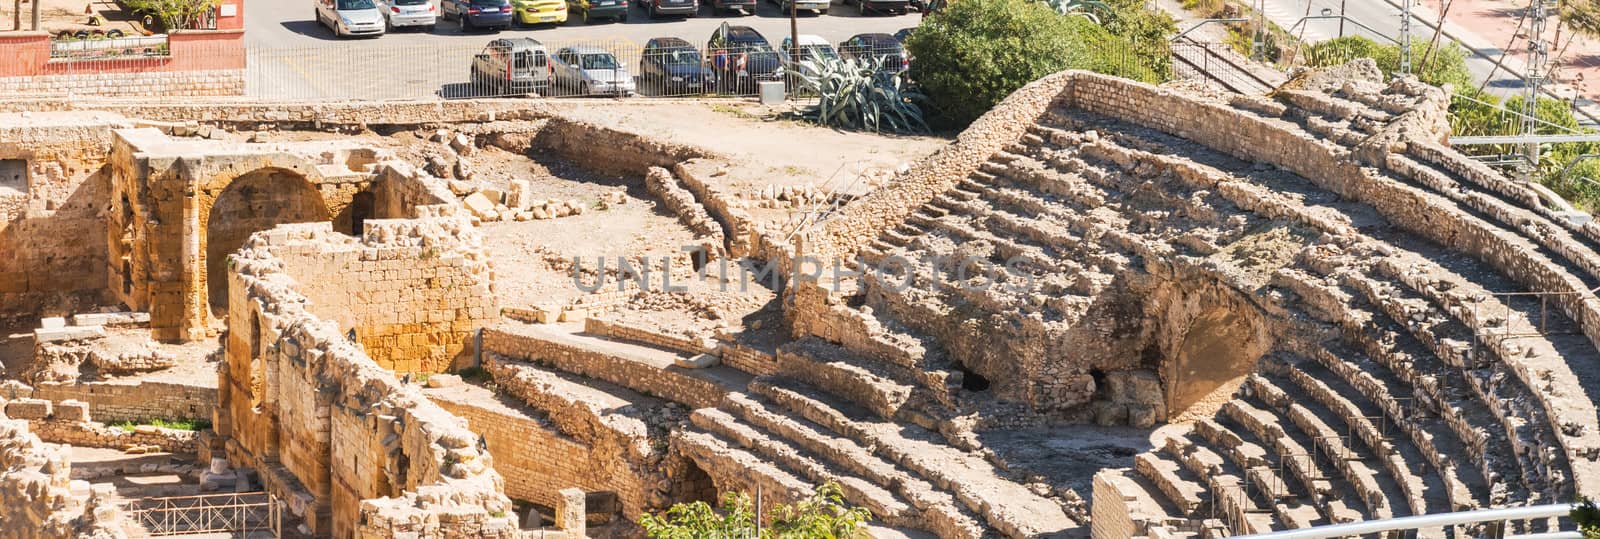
(976, 52)
(824, 515)
(174, 14)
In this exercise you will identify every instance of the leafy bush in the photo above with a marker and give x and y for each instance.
(1587, 517)
(861, 94)
(175, 424)
(174, 14)
(822, 516)
(1447, 64)
(976, 52)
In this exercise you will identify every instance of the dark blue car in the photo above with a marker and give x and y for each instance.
(474, 14)
(671, 66)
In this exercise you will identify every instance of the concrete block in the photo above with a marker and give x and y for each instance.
(771, 92)
(69, 333)
(54, 322)
(72, 410)
(479, 205)
(699, 361)
(519, 197)
(28, 409)
(570, 509)
(444, 380)
(110, 319)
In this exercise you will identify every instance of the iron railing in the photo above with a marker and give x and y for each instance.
(234, 513)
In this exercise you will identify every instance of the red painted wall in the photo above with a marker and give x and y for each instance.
(192, 50)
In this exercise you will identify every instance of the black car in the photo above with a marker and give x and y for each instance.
(881, 48)
(739, 57)
(671, 66)
(893, 7)
(657, 8)
(744, 7)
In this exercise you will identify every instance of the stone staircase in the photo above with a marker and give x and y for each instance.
(1404, 382)
(833, 415)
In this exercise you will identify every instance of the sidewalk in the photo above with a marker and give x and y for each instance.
(1489, 26)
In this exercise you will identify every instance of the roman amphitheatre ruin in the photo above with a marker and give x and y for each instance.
(1198, 315)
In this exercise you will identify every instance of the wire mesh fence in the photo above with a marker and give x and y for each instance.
(521, 66)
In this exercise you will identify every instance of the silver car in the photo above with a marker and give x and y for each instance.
(590, 70)
(350, 17)
(409, 13)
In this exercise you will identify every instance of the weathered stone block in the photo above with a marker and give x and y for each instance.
(28, 409)
(72, 410)
(570, 509)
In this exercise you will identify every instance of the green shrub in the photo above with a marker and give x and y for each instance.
(822, 516)
(1447, 64)
(976, 52)
(174, 424)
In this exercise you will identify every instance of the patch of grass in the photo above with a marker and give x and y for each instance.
(174, 424)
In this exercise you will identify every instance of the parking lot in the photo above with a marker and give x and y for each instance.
(294, 57)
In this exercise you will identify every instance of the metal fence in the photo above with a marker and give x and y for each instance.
(519, 66)
(240, 514)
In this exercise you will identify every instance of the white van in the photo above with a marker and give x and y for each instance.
(350, 17)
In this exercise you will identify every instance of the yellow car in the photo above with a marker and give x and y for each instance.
(540, 11)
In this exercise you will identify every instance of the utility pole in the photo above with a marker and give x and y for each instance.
(16, 17)
(1341, 18)
(1405, 37)
(1257, 45)
(36, 14)
(1538, 70)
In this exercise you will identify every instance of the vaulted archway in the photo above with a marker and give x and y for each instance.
(254, 202)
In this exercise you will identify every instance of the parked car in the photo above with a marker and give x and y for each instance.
(539, 11)
(591, 70)
(350, 17)
(819, 7)
(744, 7)
(672, 66)
(895, 7)
(658, 8)
(474, 14)
(812, 47)
(616, 10)
(882, 48)
(512, 66)
(739, 57)
(408, 14)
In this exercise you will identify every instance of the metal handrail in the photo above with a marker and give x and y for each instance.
(1435, 520)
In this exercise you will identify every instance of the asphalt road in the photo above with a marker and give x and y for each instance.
(293, 57)
(1380, 21)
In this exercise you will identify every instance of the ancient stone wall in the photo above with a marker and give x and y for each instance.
(221, 82)
(862, 220)
(353, 451)
(412, 291)
(55, 186)
(35, 492)
(129, 401)
(167, 193)
(609, 150)
(252, 114)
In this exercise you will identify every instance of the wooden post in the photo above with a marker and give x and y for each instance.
(16, 17)
(36, 14)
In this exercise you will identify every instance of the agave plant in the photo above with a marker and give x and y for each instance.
(1088, 9)
(864, 94)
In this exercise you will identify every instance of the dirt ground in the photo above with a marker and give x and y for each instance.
(58, 15)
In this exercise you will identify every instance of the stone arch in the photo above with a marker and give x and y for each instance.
(1212, 337)
(251, 203)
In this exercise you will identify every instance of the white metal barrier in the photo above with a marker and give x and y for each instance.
(1435, 520)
